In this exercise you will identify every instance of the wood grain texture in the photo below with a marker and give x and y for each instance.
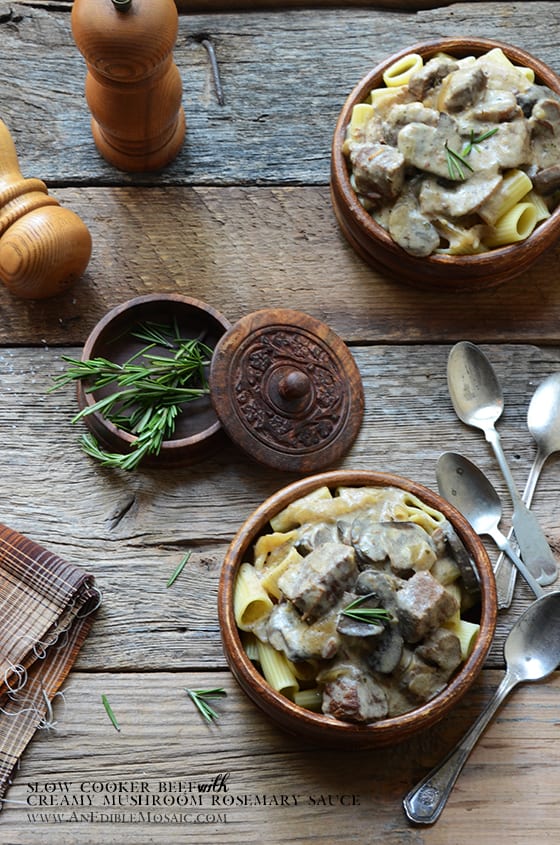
(285, 77)
(243, 220)
(132, 530)
(244, 248)
(325, 792)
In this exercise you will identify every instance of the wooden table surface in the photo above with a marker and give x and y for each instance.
(242, 220)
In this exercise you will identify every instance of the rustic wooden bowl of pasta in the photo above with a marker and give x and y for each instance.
(445, 166)
(356, 608)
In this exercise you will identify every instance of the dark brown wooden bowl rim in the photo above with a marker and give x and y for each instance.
(315, 726)
(97, 421)
(348, 208)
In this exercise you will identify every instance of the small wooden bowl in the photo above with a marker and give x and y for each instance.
(322, 729)
(374, 244)
(198, 430)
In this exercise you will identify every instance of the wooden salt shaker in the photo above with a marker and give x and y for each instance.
(133, 87)
(44, 248)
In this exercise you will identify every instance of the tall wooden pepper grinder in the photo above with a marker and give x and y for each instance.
(44, 248)
(133, 87)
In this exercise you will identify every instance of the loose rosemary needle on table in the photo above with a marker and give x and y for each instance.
(200, 698)
(148, 391)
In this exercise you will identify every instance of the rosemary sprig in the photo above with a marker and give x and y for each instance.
(147, 392)
(477, 139)
(179, 569)
(200, 696)
(456, 164)
(109, 712)
(372, 615)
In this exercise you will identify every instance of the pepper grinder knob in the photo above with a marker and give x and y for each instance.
(133, 87)
(44, 248)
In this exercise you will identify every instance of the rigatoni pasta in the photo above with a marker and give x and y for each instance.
(356, 607)
(456, 156)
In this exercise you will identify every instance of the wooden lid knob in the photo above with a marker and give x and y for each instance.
(287, 390)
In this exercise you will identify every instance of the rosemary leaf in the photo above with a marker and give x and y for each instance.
(477, 139)
(372, 615)
(200, 696)
(455, 164)
(178, 570)
(147, 392)
(109, 712)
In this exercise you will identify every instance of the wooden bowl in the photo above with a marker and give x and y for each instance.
(326, 730)
(198, 430)
(374, 244)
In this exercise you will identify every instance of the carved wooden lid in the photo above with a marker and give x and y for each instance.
(287, 390)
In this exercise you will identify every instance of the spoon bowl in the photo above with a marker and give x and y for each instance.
(465, 486)
(532, 652)
(543, 422)
(478, 401)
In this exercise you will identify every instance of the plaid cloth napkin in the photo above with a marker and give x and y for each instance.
(46, 608)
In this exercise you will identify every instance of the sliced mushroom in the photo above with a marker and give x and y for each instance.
(387, 650)
(411, 229)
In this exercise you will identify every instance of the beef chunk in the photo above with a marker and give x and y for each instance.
(354, 696)
(421, 680)
(547, 181)
(378, 170)
(423, 605)
(441, 649)
(430, 75)
(317, 584)
(462, 88)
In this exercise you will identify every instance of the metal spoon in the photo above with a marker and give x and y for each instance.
(477, 399)
(466, 487)
(543, 422)
(532, 652)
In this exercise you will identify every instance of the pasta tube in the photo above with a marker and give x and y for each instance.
(311, 699)
(298, 512)
(269, 580)
(276, 670)
(466, 632)
(251, 603)
(514, 186)
(400, 71)
(516, 225)
(540, 205)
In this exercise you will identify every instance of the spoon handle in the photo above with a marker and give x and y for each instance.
(504, 572)
(506, 547)
(425, 802)
(533, 545)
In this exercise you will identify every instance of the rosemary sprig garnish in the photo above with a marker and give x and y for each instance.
(456, 162)
(109, 711)
(148, 391)
(200, 696)
(477, 139)
(372, 615)
(178, 570)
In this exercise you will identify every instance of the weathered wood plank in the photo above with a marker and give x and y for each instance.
(132, 530)
(275, 127)
(248, 765)
(243, 248)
